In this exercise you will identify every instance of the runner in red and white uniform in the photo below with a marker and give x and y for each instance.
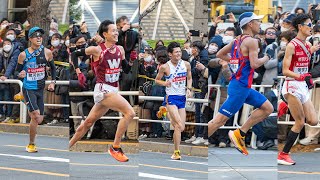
(109, 59)
(298, 81)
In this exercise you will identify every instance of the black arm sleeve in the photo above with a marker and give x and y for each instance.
(19, 67)
(125, 66)
(75, 55)
(53, 69)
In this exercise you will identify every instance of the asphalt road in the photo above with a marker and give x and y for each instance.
(50, 163)
(228, 163)
(160, 166)
(307, 167)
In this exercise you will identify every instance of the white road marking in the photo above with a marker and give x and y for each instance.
(154, 176)
(37, 158)
(190, 162)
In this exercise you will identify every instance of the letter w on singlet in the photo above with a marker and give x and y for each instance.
(114, 63)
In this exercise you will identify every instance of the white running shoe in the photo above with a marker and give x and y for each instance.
(198, 141)
(206, 142)
(193, 138)
(308, 140)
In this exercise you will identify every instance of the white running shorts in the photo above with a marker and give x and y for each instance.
(100, 89)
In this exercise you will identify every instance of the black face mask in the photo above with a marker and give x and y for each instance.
(72, 49)
(82, 46)
(269, 41)
(18, 32)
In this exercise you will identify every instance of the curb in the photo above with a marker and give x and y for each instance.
(41, 130)
(169, 147)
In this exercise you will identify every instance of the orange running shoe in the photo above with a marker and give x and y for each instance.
(238, 141)
(118, 154)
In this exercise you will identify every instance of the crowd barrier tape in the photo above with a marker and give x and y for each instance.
(62, 63)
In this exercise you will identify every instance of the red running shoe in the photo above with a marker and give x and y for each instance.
(285, 159)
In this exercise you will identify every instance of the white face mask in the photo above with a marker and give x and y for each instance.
(7, 48)
(283, 44)
(212, 49)
(3, 26)
(67, 43)
(227, 39)
(148, 59)
(55, 43)
(281, 21)
(51, 33)
(283, 29)
(10, 36)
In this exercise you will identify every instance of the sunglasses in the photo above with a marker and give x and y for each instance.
(271, 33)
(36, 34)
(309, 24)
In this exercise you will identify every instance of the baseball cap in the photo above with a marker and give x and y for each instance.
(289, 18)
(35, 29)
(246, 17)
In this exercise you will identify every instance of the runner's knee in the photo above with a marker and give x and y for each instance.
(130, 114)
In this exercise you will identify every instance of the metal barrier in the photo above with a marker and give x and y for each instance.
(245, 110)
(149, 98)
(23, 107)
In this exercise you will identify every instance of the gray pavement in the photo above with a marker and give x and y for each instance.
(88, 165)
(307, 167)
(50, 163)
(159, 166)
(228, 163)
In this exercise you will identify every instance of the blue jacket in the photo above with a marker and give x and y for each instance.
(12, 61)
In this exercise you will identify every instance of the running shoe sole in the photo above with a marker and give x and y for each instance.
(283, 162)
(234, 140)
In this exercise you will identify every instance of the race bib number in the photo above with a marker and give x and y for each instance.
(35, 74)
(112, 75)
(234, 65)
(301, 67)
(179, 82)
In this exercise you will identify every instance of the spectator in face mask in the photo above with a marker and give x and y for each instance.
(284, 39)
(8, 62)
(59, 50)
(229, 35)
(270, 35)
(287, 23)
(20, 34)
(186, 46)
(215, 44)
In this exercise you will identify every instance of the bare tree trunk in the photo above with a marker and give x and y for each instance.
(39, 15)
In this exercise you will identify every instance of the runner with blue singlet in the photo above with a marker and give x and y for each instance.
(243, 60)
(31, 67)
